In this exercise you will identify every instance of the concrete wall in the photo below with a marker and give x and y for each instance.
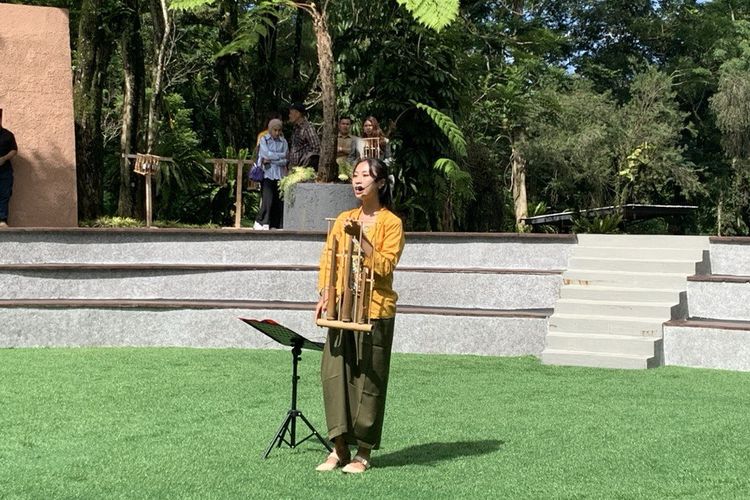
(36, 94)
(730, 256)
(469, 294)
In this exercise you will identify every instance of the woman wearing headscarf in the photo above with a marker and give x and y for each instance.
(273, 158)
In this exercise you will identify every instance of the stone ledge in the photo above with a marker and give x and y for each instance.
(719, 278)
(257, 305)
(729, 240)
(62, 266)
(707, 344)
(222, 328)
(710, 323)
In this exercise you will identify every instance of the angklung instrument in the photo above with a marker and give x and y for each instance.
(349, 283)
(371, 148)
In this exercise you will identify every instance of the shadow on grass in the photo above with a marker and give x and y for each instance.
(431, 453)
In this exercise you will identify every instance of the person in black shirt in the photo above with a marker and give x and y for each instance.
(8, 150)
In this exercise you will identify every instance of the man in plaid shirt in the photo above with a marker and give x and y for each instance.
(305, 145)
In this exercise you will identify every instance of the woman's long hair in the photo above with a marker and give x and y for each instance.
(379, 170)
(376, 131)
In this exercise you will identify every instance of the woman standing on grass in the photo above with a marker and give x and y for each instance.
(355, 365)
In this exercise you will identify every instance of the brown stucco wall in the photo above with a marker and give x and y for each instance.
(36, 94)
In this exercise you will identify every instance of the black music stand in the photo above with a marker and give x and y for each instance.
(297, 342)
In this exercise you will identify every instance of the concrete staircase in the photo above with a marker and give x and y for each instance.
(617, 292)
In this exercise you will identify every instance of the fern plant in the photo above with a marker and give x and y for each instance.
(447, 126)
(460, 181)
(297, 175)
(435, 14)
(606, 224)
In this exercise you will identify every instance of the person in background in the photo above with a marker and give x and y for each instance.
(270, 116)
(272, 156)
(373, 143)
(305, 146)
(355, 365)
(8, 149)
(345, 142)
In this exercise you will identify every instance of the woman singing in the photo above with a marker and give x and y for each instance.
(355, 365)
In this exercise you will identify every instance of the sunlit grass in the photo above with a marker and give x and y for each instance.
(193, 423)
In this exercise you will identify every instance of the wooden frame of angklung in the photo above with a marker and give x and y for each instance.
(352, 272)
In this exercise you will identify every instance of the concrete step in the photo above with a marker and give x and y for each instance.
(161, 246)
(625, 279)
(643, 241)
(632, 265)
(618, 325)
(719, 300)
(597, 359)
(480, 290)
(215, 324)
(690, 254)
(723, 345)
(507, 290)
(243, 246)
(160, 283)
(730, 256)
(619, 294)
(592, 342)
(658, 310)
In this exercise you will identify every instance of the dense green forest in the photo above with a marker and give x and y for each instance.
(567, 104)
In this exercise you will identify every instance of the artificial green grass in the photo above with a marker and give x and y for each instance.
(193, 423)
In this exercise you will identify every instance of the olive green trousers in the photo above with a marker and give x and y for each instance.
(354, 372)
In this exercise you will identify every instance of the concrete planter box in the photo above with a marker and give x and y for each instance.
(311, 203)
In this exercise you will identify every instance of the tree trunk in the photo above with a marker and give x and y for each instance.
(518, 162)
(518, 178)
(93, 54)
(134, 71)
(162, 32)
(327, 169)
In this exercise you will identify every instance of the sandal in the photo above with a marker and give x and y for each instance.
(332, 462)
(358, 465)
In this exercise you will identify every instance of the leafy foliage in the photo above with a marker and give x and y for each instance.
(447, 126)
(297, 175)
(608, 102)
(435, 14)
(606, 224)
(188, 4)
(254, 27)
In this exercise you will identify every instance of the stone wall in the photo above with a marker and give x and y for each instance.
(36, 95)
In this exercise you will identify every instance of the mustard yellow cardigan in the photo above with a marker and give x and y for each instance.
(387, 238)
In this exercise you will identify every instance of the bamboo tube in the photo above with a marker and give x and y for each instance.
(344, 325)
(359, 309)
(331, 306)
(346, 301)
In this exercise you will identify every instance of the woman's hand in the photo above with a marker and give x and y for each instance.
(321, 306)
(352, 227)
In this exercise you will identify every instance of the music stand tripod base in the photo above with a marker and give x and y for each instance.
(287, 337)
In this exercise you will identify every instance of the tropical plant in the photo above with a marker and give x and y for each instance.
(604, 224)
